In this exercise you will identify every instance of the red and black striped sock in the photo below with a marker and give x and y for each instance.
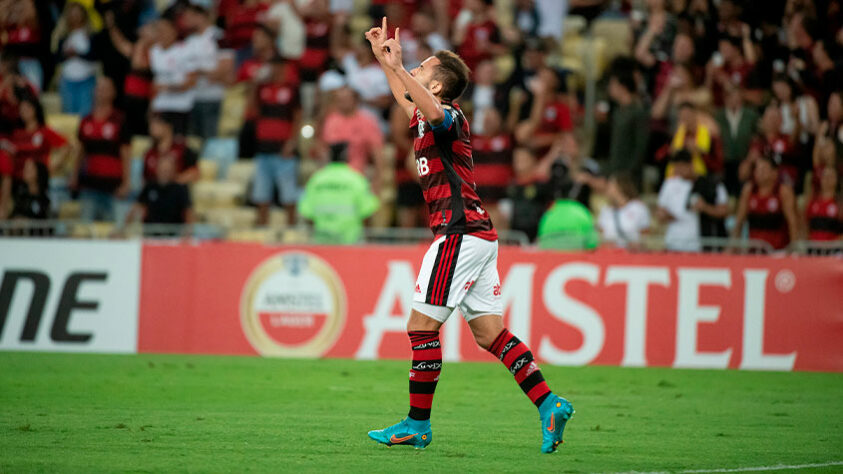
(517, 357)
(427, 363)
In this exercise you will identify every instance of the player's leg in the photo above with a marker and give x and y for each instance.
(482, 309)
(423, 331)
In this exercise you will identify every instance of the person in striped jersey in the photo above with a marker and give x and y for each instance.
(459, 269)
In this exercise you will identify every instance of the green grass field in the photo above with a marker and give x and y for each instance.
(96, 413)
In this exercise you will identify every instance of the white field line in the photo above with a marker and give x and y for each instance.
(769, 468)
(778, 467)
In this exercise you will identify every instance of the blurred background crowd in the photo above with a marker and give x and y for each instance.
(594, 122)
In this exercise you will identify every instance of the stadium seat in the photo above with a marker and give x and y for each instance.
(51, 102)
(216, 194)
(235, 218)
(241, 172)
(573, 25)
(70, 210)
(251, 235)
(66, 125)
(617, 34)
(208, 170)
(278, 219)
(140, 145)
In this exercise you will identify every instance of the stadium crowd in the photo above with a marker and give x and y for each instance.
(711, 118)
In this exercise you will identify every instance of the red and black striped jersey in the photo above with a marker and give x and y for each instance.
(446, 172)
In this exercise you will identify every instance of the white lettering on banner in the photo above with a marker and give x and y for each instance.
(68, 295)
(399, 285)
(517, 296)
(573, 312)
(689, 313)
(637, 280)
(755, 282)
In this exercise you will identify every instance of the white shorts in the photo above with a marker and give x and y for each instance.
(459, 271)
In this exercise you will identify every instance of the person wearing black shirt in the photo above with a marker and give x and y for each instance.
(30, 194)
(163, 201)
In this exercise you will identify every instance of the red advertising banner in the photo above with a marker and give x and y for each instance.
(609, 308)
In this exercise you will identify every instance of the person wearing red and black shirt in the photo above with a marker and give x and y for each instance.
(21, 35)
(549, 117)
(102, 171)
(824, 213)
(277, 121)
(773, 143)
(492, 159)
(768, 205)
(459, 268)
(13, 87)
(479, 39)
(165, 143)
(5, 183)
(34, 140)
(137, 84)
(240, 22)
(317, 47)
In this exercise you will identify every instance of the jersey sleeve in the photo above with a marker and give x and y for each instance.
(449, 128)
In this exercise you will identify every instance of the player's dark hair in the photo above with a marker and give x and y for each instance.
(452, 73)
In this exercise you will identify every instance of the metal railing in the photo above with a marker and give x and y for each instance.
(396, 236)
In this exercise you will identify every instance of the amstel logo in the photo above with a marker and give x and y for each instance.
(293, 305)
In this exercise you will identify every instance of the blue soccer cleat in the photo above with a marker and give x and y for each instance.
(554, 412)
(404, 432)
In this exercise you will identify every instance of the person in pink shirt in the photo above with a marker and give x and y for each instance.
(347, 122)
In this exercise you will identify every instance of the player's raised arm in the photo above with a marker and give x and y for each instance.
(377, 37)
(424, 99)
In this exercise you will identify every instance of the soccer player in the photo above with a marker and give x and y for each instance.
(460, 267)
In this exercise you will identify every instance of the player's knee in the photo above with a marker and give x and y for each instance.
(484, 340)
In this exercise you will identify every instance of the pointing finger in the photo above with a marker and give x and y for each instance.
(396, 33)
(383, 25)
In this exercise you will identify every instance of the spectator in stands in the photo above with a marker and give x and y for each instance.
(689, 204)
(103, 167)
(492, 153)
(771, 142)
(737, 124)
(525, 17)
(175, 76)
(255, 68)
(317, 22)
(529, 59)
(625, 219)
(213, 69)
(30, 197)
(164, 200)
(34, 140)
(832, 127)
(6, 169)
(583, 171)
(338, 200)
(528, 195)
(425, 32)
(768, 205)
(550, 116)
(476, 35)
(137, 84)
(348, 123)
(680, 88)
(410, 210)
(166, 144)
(656, 41)
(800, 114)
(241, 18)
(484, 94)
(78, 68)
(21, 37)
(125, 16)
(13, 86)
(731, 66)
(365, 77)
(277, 122)
(824, 213)
(682, 54)
(699, 138)
(627, 144)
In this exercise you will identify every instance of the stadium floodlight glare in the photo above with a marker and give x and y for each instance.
(307, 131)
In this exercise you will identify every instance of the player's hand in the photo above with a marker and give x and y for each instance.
(376, 37)
(391, 50)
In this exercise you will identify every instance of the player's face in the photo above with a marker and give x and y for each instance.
(424, 73)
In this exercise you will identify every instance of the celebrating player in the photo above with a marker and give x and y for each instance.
(460, 267)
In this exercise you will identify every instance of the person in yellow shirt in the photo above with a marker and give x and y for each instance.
(700, 139)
